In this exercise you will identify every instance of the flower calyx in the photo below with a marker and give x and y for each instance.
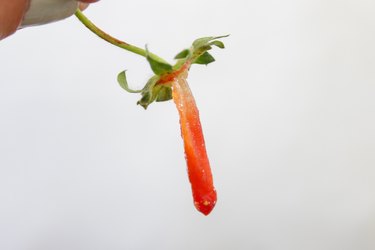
(159, 87)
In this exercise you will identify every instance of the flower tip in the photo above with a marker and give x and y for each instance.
(205, 206)
(206, 209)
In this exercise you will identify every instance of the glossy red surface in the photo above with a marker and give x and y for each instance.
(199, 169)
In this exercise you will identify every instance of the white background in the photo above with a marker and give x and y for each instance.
(287, 109)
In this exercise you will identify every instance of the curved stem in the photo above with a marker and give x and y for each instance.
(121, 44)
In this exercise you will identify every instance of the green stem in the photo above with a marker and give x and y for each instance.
(121, 44)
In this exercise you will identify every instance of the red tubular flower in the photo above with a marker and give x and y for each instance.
(169, 82)
(199, 170)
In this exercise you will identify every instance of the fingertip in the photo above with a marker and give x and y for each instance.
(89, 1)
(11, 15)
(83, 6)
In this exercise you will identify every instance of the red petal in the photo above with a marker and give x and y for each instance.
(199, 169)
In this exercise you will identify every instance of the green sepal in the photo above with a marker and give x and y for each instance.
(163, 93)
(148, 95)
(145, 100)
(205, 58)
(155, 92)
(183, 54)
(204, 41)
(121, 78)
(218, 44)
(201, 46)
(158, 93)
(157, 66)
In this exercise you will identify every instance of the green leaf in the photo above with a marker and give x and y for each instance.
(183, 54)
(121, 78)
(158, 67)
(205, 58)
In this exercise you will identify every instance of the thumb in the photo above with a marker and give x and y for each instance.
(47, 11)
